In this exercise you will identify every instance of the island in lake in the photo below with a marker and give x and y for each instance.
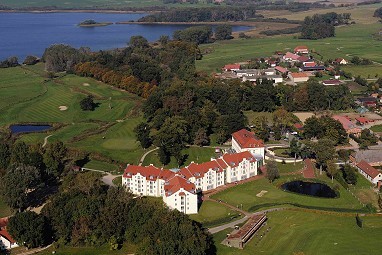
(93, 23)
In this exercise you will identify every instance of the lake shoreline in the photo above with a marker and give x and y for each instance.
(76, 11)
(233, 23)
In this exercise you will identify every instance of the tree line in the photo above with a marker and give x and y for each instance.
(322, 25)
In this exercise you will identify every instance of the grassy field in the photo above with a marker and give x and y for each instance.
(245, 194)
(282, 152)
(288, 168)
(4, 209)
(368, 71)
(294, 232)
(103, 166)
(355, 40)
(40, 102)
(376, 128)
(196, 154)
(212, 214)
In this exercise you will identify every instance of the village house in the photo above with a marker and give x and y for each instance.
(275, 78)
(298, 77)
(290, 57)
(301, 50)
(340, 61)
(304, 59)
(281, 70)
(231, 67)
(348, 125)
(367, 101)
(369, 172)
(6, 240)
(312, 67)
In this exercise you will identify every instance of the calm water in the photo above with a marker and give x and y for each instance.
(15, 129)
(309, 188)
(23, 34)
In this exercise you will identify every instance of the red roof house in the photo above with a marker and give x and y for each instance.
(281, 69)
(369, 172)
(231, 67)
(247, 139)
(301, 50)
(291, 56)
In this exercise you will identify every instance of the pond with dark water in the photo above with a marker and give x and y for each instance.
(23, 34)
(15, 129)
(309, 188)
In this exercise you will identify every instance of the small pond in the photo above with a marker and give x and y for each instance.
(310, 189)
(15, 129)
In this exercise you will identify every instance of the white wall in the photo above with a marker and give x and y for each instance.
(187, 204)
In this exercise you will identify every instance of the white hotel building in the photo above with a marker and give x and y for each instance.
(179, 188)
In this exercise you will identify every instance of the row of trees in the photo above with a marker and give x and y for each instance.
(201, 15)
(85, 212)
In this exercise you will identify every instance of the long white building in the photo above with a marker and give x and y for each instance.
(180, 188)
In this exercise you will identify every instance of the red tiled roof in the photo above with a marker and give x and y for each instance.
(301, 48)
(247, 139)
(281, 69)
(299, 75)
(303, 59)
(338, 60)
(198, 170)
(232, 66)
(234, 160)
(4, 233)
(176, 183)
(150, 172)
(298, 126)
(291, 56)
(345, 121)
(310, 64)
(368, 169)
(363, 120)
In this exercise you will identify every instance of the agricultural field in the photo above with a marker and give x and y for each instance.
(245, 194)
(353, 40)
(212, 213)
(376, 128)
(298, 232)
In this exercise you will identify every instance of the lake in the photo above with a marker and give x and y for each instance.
(309, 188)
(23, 34)
(15, 129)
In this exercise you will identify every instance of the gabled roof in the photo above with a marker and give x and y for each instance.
(151, 172)
(235, 159)
(232, 66)
(177, 182)
(364, 120)
(368, 169)
(247, 139)
(299, 75)
(4, 233)
(338, 60)
(346, 122)
(199, 170)
(331, 82)
(3, 222)
(291, 56)
(310, 64)
(301, 48)
(281, 69)
(303, 59)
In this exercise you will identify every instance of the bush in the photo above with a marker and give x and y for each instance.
(30, 60)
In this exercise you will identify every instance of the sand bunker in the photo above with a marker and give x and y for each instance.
(63, 108)
(261, 193)
(86, 84)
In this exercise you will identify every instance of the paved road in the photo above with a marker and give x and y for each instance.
(108, 179)
(147, 153)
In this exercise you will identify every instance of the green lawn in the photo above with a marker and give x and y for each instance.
(103, 166)
(367, 71)
(294, 232)
(196, 154)
(290, 167)
(118, 181)
(251, 115)
(282, 152)
(212, 214)
(275, 197)
(4, 209)
(355, 40)
(376, 128)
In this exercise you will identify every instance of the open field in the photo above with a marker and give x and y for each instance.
(290, 167)
(377, 128)
(245, 194)
(196, 154)
(361, 14)
(295, 232)
(212, 214)
(355, 40)
(99, 165)
(367, 72)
